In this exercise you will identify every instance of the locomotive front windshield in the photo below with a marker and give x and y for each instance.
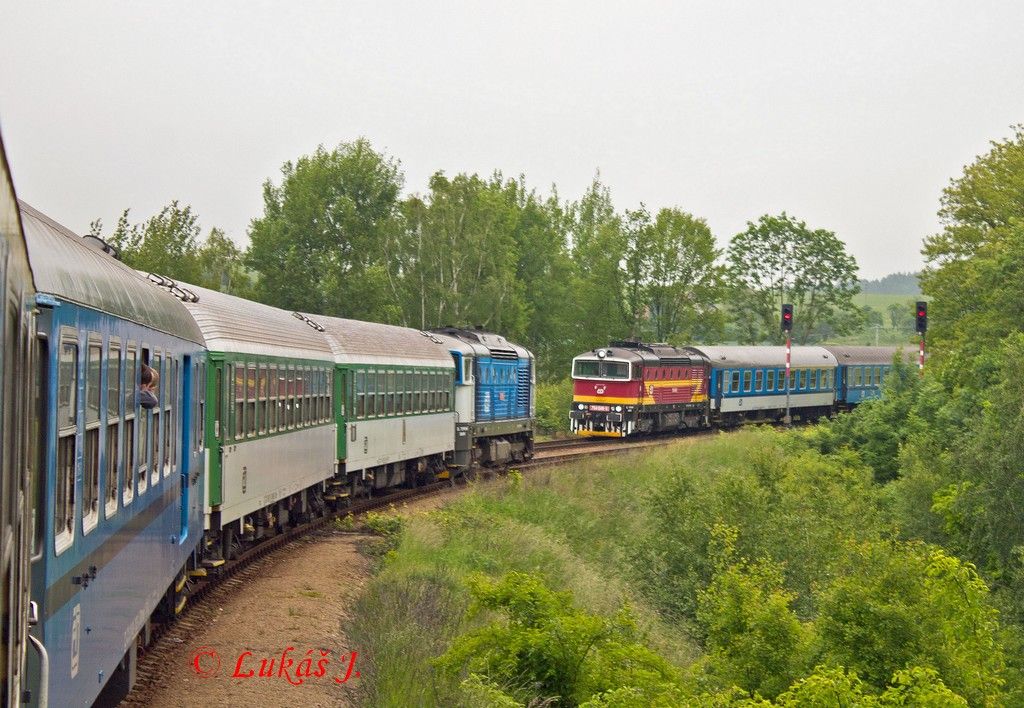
(592, 369)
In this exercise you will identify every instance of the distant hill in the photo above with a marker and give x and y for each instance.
(893, 284)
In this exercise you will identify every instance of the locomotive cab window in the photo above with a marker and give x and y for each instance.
(67, 430)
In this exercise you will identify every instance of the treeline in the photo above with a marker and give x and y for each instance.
(337, 237)
(893, 284)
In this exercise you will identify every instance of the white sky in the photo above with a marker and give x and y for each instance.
(851, 116)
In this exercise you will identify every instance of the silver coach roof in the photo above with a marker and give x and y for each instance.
(64, 266)
(741, 356)
(358, 342)
(233, 324)
(852, 355)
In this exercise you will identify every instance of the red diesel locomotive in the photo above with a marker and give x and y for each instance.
(630, 388)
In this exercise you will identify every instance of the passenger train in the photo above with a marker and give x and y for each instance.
(630, 388)
(263, 418)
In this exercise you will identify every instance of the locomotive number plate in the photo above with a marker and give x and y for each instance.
(600, 408)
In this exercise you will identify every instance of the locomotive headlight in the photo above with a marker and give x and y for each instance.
(580, 406)
(618, 409)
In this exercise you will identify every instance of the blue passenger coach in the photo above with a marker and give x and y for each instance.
(861, 373)
(749, 383)
(121, 487)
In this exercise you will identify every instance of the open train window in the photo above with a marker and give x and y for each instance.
(91, 458)
(155, 428)
(67, 430)
(130, 416)
(111, 444)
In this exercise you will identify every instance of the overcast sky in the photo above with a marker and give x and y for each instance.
(852, 116)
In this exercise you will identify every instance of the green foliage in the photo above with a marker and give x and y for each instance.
(673, 281)
(779, 259)
(893, 605)
(553, 403)
(975, 264)
(790, 505)
(168, 244)
(546, 648)
(754, 638)
(876, 429)
(324, 240)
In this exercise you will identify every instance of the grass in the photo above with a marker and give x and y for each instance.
(577, 527)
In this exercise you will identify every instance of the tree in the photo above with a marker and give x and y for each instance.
(166, 244)
(221, 266)
(598, 245)
(547, 649)
(462, 255)
(779, 259)
(673, 283)
(975, 264)
(894, 605)
(322, 244)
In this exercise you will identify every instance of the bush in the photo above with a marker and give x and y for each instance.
(554, 401)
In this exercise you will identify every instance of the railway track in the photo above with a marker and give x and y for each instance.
(234, 574)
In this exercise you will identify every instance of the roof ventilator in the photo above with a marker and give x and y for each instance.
(315, 325)
(182, 293)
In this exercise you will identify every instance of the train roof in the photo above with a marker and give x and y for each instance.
(479, 342)
(853, 355)
(358, 342)
(764, 356)
(647, 353)
(236, 325)
(66, 266)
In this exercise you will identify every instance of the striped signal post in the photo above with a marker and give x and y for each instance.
(787, 327)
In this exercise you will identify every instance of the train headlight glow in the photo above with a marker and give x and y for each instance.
(580, 406)
(618, 409)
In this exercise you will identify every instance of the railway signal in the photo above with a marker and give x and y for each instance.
(921, 311)
(787, 327)
(922, 316)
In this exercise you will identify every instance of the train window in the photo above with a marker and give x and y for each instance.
(734, 377)
(759, 380)
(746, 381)
(262, 401)
(111, 444)
(467, 369)
(156, 430)
(250, 400)
(309, 392)
(91, 459)
(272, 404)
(771, 380)
(878, 376)
(390, 384)
(128, 464)
(145, 444)
(67, 429)
(381, 392)
(812, 376)
(858, 376)
(359, 383)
